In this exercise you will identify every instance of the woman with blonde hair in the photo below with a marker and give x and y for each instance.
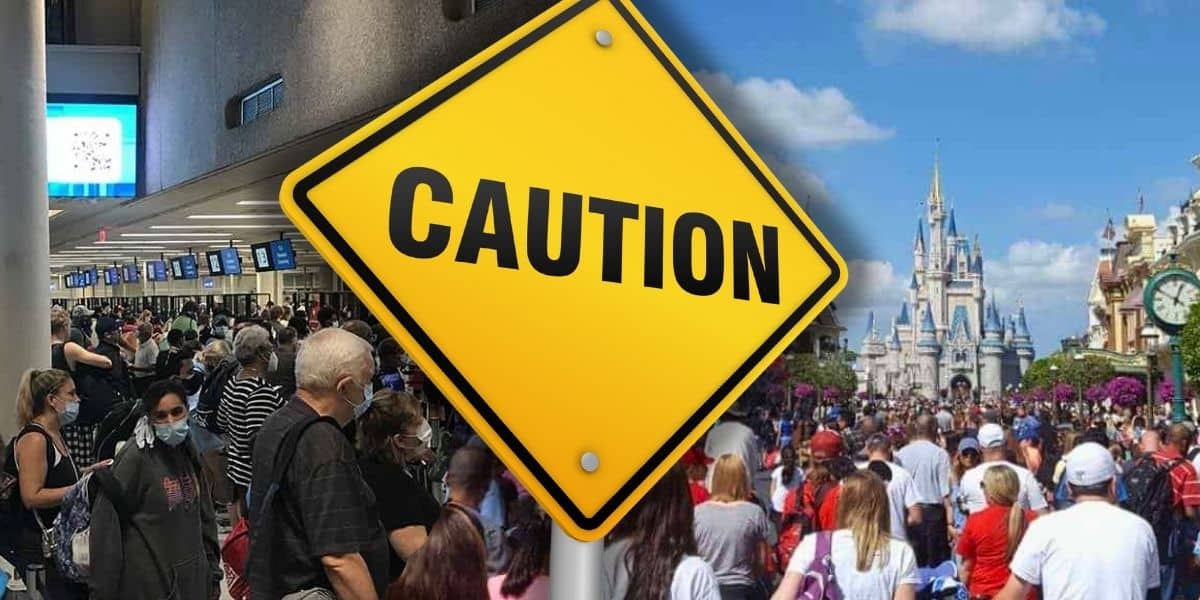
(868, 563)
(731, 532)
(41, 462)
(992, 535)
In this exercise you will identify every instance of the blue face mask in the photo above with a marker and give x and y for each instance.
(69, 413)
(172, 434)
(360, 408)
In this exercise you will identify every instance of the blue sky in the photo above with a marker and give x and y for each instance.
(1049, 112)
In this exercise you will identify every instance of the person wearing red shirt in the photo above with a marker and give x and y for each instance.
(813, 506)
(1185, 498)
(696, 462)
(991, 536)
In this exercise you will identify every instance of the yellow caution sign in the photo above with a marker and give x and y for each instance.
(576, 247)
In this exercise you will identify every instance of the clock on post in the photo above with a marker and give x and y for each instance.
(1168, 298)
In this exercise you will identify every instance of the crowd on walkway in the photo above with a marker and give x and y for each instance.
(312, 439)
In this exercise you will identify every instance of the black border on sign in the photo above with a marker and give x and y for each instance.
(586, 522)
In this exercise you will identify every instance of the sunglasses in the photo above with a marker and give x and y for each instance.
(174, 413)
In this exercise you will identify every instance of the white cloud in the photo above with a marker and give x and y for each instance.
(874, 285)
(985, 25)
(1058, 211)
(803, 184)
(783, 116)
(1045, 276)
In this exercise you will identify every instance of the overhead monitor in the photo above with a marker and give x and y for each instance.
(130, 273)
(90, 276)
(282, 255)
(262, 257)
(213, 258)
(231, 263)
(185, 267)
(111, 276)
(91, 146)
(156, 270)
(70, 281)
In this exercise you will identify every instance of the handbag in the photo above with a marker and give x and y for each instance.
(819, 582)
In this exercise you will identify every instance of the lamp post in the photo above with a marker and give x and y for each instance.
(1078, 358)
(1054, 397)
(1149, 337)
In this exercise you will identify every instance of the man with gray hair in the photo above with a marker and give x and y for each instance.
(246, 402)
(320, 529)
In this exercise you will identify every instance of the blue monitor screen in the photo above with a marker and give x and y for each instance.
(90, 277)
(91, 150)
(282, 257)
(261, 253)
(70, 281)
(184, 267)
(111, 277)
(130, 274)
(156, 270)
(230, 263)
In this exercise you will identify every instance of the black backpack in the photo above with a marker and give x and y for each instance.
(210, 394)
(1151, 498)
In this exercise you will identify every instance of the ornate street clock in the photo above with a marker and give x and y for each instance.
(1169, 296)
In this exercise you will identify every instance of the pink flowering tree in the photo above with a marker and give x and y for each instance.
(1063, 392)
(1126, 391)
(803, 391)
(1166, 391)
(1095, 394)
(832, 393)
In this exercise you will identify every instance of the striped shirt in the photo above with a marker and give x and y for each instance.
(1185, 486)
(245, 405)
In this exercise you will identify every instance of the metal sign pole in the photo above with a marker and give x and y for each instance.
(575, 567)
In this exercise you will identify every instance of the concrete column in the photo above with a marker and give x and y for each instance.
(25, 228)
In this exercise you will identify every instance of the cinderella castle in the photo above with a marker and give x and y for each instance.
(949, 335)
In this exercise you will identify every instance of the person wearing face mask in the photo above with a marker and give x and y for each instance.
(320, 529)
(394, 439)
(246, 401)
(164, 544)
(42, 464)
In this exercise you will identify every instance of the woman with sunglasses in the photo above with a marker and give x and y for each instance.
(157, 538)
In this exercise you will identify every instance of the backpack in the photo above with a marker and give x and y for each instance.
(819, 582)
(210, 394)
(797, 522)
(1151, 498)
(116, 426)
(72, 526)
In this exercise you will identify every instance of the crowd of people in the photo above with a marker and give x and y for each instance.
(308, 444)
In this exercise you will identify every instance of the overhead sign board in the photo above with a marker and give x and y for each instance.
(576, 247)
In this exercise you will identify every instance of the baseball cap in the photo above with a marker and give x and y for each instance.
(106, 325)
(81, 311)
(826, 444)
(1089, 464)
(696, 456)
(968, 443)
(991, 436)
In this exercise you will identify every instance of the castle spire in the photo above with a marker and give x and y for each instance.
(952, 229)
(935, 186)
(919, 243)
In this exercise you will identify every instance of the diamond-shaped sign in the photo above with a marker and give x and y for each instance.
(577, 248)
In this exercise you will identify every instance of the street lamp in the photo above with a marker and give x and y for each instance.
(1054, 376)
(1078, 358)
(1149, 337)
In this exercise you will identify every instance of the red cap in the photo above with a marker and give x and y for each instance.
(695, 456)
(826, 444)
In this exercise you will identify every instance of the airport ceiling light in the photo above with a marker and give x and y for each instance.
(54, 212)
(194, 234)
(170, 242)
(270, 216)
(258, 203)
(173, 227)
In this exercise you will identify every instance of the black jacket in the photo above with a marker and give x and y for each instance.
(176, 546)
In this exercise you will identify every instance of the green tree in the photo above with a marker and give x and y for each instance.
(1092, 370)
(1189, 343)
